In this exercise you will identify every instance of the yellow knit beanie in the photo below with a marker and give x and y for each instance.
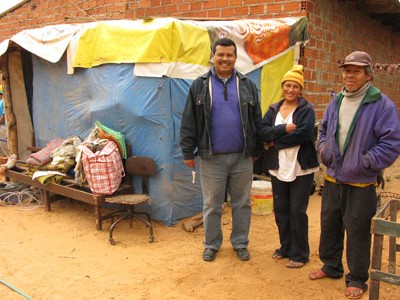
(295, 74)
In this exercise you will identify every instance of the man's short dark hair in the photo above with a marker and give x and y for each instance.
(225, 42)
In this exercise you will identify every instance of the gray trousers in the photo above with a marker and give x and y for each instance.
(232, 173)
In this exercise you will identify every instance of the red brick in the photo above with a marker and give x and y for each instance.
(148, 3)
(257, 10)
(291, 6)
(196, 6)
(129, 15)
(222, 4)
(141, 12)
(249, 2)
(242, 11)
(111, 9)
(228, 13)
(235, 2)
(184, 7)
(274, 8)
(170, 9)
(214, 13)
(200, 14)
(208, 5)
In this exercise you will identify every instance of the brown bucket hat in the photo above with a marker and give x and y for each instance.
(357, 58)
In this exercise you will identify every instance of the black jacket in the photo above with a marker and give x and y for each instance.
(304, 118)
(196, 117)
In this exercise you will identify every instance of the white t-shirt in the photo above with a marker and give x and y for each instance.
(289, 167)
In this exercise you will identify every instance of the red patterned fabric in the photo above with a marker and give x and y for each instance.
(43, 156)
(103, 169)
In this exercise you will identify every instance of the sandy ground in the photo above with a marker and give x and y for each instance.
(60, 255)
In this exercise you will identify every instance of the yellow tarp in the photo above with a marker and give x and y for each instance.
(176, 45)
(271, 75)
(182, 49)
(155, 41)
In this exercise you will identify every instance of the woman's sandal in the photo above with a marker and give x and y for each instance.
(294, 264)
(317, 274)
(277, 255)
(353, 292)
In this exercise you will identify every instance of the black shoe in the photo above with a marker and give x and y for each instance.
(243, 254)
(209, 254)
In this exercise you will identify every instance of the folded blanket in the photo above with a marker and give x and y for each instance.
(46, 177)
(43, 156)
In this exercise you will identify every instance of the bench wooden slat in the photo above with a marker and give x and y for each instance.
(69, 191)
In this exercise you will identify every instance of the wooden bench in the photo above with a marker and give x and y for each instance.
(66, 188)
(384, 223)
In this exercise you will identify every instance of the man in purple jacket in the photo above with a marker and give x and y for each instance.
(359, 137)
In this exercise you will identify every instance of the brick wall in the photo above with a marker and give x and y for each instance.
(37, 13)
(336, 28)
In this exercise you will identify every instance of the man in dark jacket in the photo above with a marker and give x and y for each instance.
(220, 123)
(359, 137)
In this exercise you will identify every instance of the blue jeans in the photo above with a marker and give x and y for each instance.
(232, 173)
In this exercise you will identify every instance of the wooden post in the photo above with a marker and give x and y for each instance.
(10, 119)
(392, 239)
(384, 224)
(376, 266)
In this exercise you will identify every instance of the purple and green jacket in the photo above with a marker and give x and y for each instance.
(372, 144)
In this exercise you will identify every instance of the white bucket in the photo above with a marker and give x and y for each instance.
(261, 197)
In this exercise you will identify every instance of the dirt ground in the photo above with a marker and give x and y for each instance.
(60, 255)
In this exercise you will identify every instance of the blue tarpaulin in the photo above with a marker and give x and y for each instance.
(143, 99)
(146, 110)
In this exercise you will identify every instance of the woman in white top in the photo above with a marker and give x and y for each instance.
(288, 132)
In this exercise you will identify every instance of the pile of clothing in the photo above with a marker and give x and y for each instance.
(64, 157)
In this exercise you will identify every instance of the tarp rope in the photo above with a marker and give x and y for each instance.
(27, 198)
(389, 195)
(384, 197)
(15, 289)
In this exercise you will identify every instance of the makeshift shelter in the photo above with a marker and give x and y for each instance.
(133, 77)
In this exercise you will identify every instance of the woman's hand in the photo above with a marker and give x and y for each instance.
(290, 128)
(268, 145)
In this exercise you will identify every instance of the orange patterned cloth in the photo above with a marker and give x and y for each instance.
(104, 135)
